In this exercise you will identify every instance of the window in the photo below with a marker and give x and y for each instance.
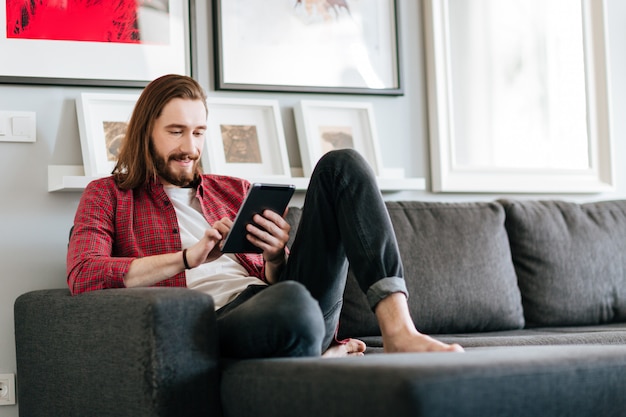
(518, 96)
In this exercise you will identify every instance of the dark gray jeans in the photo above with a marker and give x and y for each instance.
(344, 219)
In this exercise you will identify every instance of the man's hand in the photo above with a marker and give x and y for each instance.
(208, 248)
(270, 232)
(150, 270)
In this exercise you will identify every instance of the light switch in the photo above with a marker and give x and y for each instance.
(20, 126)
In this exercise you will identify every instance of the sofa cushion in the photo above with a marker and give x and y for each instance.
(458, 269)
(597, 334)
(570, 260)
(515, 381)
(458, 266)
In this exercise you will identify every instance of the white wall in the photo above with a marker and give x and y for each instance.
(34, 223)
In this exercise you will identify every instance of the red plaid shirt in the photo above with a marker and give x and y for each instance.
(112, 227)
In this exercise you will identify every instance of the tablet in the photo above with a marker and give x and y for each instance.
(261, 197)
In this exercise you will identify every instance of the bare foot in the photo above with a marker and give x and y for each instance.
(399, 332)
(351, 347)
(417, 342)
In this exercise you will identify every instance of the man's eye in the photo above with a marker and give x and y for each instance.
(176, 132)
(199, 133)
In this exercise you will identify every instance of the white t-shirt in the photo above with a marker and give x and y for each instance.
(225, 277)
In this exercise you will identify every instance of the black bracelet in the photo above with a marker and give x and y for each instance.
(185, 259)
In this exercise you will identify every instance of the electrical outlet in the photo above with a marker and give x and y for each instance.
(7, 389)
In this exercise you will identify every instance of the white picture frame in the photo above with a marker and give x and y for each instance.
(255, 126)
(102, 122)
(326, 125)
(448, 175)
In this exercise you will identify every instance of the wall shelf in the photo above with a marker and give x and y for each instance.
(71, 178)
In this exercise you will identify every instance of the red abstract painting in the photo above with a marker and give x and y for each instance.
(73, 20)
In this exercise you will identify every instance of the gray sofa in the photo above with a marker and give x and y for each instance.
(535, 290)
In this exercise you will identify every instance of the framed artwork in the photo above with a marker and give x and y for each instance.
(245, 139)
(323, 126)
(125, 43)
(102, 122)
(307, 46)
(527, 111)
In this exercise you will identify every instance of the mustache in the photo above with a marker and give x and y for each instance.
(183, 156)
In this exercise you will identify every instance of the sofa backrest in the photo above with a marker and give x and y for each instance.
(570, 260)
(487, 266)
(457, 266)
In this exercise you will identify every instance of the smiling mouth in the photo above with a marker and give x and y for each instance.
(183, 158)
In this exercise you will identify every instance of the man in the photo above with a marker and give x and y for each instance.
(158, 221)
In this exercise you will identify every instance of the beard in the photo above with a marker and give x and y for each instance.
(182, 179)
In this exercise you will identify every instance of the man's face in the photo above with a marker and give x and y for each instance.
(178, 139)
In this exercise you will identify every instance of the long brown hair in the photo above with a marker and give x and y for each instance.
(135, 165)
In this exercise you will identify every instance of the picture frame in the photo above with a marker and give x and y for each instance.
(584, 166)
(102, 122)
(326, 125)
(79, 55)
(290, 46)
(245, 139)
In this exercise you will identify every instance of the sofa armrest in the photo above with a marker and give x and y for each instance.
(117, 352)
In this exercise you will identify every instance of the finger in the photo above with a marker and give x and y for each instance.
(274, 224)
(276, 218)
(269, 244)
(213, 234)
(223, 223)
(223, 226)
(262, 223)
(260, 234)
